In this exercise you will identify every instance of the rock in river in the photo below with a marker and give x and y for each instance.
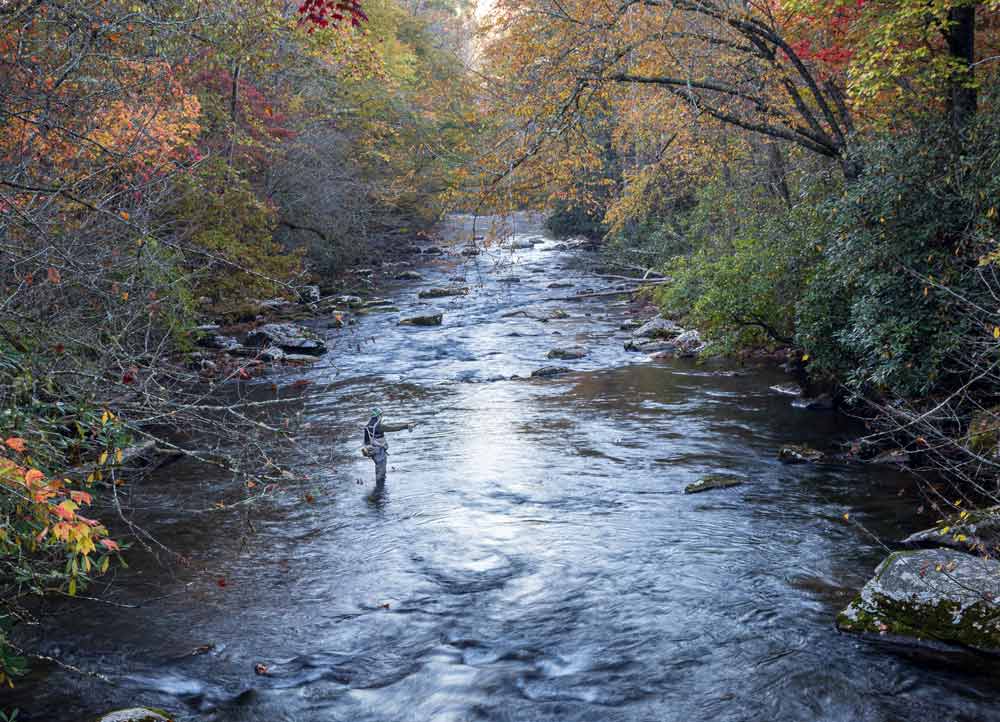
(444, 292)
(433, 320)
(658, 328)
(975, 530)
(713, 481)
(932, 596)
(792, 454)
(569, 353)
(409, 276)
(548, 371)
(288, 337)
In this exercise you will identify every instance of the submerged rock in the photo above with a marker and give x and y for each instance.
(713, 481)
(977, 530)
(509, 279)
(787, 389)
(794, 454)
(432, 320)
(409, 276)
(444, 292)
(432, 251)
(549, 371)
(560, 284)
(823, 402)
(650, 346)
(135, 714)
(289, 337)
(569, 353)
(930, 596)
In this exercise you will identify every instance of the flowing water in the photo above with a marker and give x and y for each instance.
(532, 557)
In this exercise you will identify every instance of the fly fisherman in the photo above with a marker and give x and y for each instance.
(376, 447)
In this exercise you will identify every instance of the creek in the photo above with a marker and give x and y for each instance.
(532, 556)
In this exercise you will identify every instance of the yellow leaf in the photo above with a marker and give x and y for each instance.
(103, 458)
(996, 332)
(118, 456)
(805, 357)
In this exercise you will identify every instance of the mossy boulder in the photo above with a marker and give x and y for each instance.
(974, 531)
(713, 481)
(135, 714)
(931, 596)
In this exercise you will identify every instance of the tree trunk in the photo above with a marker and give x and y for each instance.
(961, 36)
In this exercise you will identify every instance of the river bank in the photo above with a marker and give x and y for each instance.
(533, 555)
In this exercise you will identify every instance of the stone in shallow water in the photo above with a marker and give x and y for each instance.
(433, 320)
(549, 371)
(288, 337)
(793, 454)
(714, 481)
(444, 292)
(569, 353)
(931, 596)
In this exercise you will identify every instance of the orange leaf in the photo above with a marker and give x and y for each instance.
(80, 497)
(110, 545)
(66, 510)
(54, 276)
(33, 476)
(17, 444)
(124, 215)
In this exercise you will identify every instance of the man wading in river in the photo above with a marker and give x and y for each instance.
(376, 447)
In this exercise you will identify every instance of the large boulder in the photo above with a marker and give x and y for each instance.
(977, 530)
(444, 292)
(289, 337)
(135, 714)
(932, 596)
(433, 320)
